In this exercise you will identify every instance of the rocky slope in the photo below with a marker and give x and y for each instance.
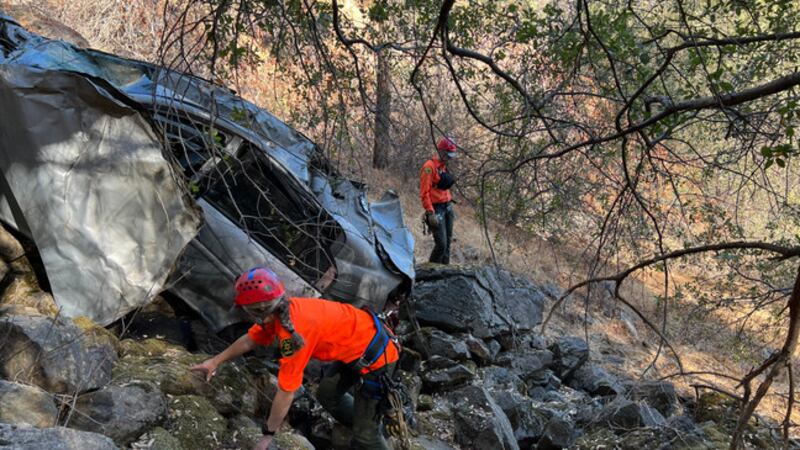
(477, 373)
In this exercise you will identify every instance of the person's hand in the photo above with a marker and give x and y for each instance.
(432, 219)
(208, 366)
(263, 443)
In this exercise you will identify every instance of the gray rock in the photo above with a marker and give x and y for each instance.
(595, 381)
(559, 433)
(479, 350)
(443, 344)
(623, 415)
(483, 301)
(494, 348)
(569, 354)
(448, 378)
(21, 404)
(507, 389)
(528, 422)
(658, 394)
(122, 413)
(544, 378)
(553, 397)
(480, 423)
(500, 378)
(505, 359)
(651, 417)
(58, 357)
(25, 437)
(532, 363)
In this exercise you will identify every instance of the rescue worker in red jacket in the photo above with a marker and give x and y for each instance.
(434, 191)
(357, 343)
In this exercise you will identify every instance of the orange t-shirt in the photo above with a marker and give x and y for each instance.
(332, 331)
(428, 179)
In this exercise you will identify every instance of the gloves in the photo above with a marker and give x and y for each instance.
(432, 219)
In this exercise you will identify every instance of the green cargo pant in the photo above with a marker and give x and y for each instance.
(358, 413)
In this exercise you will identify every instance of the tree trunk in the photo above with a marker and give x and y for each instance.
(383, 105)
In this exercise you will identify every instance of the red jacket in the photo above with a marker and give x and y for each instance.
(428, 178)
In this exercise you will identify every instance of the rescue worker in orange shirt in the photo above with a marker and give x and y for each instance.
(361, 348)
(434, 191)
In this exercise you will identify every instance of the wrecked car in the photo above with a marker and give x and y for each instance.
(131, 178)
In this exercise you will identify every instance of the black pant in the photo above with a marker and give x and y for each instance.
(359, 412)
(443, 234)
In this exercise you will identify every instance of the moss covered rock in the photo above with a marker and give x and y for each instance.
(162, 440)
(195, 422)
(95, 333)
(231, 391)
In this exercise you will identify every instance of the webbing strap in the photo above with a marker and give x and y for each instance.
(376, 346)
(381, 338)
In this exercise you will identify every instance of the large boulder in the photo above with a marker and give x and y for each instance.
(484, 301)
(21, 404)
(56, 356)
(121, 412)
(595, 381)
(25, 437)
(569, 354)
(480, 423)
(532, 364)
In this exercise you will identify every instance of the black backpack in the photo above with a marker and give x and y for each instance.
(446, 181)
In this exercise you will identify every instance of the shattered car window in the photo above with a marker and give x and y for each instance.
(190, 145)
(250, 191)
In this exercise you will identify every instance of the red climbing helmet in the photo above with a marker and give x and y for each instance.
(258, 285)
(448, 146)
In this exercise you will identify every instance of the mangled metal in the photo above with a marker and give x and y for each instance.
(83, 175)
(267, 194)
